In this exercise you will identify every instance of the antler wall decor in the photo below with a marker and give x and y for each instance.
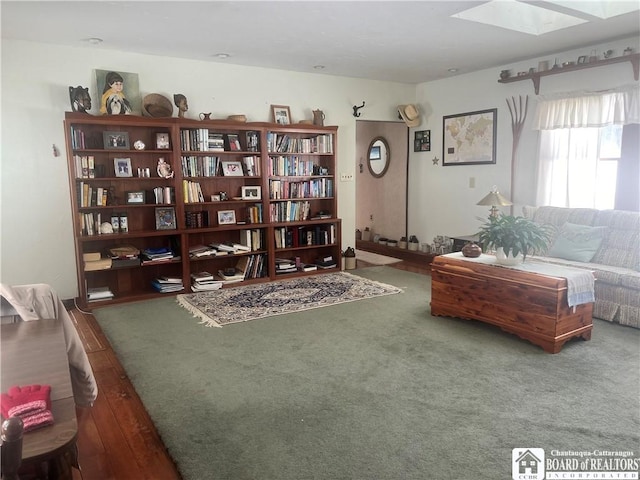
(518, 115)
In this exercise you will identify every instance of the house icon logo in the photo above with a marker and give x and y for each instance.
(527, 464)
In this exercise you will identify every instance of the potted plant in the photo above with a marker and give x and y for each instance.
(513, 238)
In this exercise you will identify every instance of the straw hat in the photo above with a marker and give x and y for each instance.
(410, 114)
(156, 105)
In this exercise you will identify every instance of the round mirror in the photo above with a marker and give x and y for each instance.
(378, 157)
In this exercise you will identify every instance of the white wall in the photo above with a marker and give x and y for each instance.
(441, 202)
(37, 237)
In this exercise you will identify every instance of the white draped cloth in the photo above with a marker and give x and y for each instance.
(588, 109)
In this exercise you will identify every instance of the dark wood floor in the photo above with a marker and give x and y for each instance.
(116, 437)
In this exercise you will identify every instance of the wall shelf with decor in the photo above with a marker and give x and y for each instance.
(210, 201)
(535, 77)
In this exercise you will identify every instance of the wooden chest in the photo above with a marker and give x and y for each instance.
(530, 305)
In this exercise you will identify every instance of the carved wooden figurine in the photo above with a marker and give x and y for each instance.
(181, 102)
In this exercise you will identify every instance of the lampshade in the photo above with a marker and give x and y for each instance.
(494, 199)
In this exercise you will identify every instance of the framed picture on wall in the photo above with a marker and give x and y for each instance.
(422, 141)
(469, 138)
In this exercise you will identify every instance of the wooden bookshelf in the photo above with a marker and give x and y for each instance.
(228, 195)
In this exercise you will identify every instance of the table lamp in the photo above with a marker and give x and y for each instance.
(495, 200)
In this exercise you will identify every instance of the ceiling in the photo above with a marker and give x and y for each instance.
(409, 42)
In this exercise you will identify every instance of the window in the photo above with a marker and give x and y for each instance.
(581, 162)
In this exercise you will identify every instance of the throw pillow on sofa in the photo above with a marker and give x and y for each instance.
(577, 242)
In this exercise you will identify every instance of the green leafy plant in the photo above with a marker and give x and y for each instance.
(515, 235)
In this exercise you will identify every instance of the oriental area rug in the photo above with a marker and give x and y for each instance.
(241, 304)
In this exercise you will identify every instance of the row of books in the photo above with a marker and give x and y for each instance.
(277, 142)
(90, 196)
(252, 266)
(192, 192)
(196, 219)
(288, 165)
(204, 140)
(292, 237)
(85, 166)
(290, 211)
(316, 188)
(196, 166)
(164, 195)
(77, 138)
(218, 249)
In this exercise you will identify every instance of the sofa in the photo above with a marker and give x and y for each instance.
(606, 242)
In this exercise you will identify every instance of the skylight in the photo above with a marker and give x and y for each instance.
(521, 17)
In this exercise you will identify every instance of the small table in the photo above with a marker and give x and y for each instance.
(35, 352)
(531, 305)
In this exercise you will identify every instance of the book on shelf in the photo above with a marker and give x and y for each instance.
(202, 276)
(326, 262)
(233, 142)
(284, 265)
(99, 293)
(101, 264)
(206, 286)
(162, 286)
(228, 277)
(91, 256)
(223, 247)
(124, 251)
(166, 279)
(197, 251)
(308, 267)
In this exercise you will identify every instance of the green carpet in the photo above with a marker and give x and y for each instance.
(373, 389)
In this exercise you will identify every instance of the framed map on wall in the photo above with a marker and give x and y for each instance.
(469, 138)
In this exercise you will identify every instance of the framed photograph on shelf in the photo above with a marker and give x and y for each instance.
(165, 218)
(469, 138)
(162, 141)
(115, 140)
(122, 167)
(280, 114)
(226, 217)
(136, 197)
(422, 141)
(232, 168)
(251, 192)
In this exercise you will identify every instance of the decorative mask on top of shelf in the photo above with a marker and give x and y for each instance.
(80, 99)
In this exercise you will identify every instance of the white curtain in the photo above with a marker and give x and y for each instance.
(583, 110)
(569, 143)
(568, 167)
